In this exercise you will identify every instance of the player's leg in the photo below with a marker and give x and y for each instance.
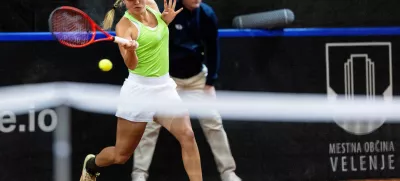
(128, 136)
(144, 152)
(131, 124)
(181, 129)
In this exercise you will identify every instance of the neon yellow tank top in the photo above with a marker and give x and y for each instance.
(153, 50)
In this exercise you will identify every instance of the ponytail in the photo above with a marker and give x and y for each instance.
(109, 18)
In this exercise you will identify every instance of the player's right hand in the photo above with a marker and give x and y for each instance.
(131, 46)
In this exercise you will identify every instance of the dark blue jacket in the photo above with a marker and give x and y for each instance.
(193, 42)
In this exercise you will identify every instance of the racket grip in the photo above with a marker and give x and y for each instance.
(123, 40)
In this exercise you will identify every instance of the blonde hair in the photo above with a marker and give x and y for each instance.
(109, 18)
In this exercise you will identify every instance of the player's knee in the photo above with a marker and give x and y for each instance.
(121, 159)
(187, 137)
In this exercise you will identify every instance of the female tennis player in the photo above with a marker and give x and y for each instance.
(148, 65)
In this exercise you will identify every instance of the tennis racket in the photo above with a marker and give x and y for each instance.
(74, 28)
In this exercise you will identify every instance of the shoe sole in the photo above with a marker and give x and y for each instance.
(87, 158)
(84, 164)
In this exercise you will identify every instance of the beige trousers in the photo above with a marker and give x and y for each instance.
(191, 88)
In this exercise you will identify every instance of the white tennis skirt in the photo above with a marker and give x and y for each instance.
(138, 93)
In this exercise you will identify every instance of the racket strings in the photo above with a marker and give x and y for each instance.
(71, 27)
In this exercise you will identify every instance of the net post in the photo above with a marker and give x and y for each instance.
(62, 145)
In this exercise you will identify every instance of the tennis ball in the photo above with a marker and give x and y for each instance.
(105, 65)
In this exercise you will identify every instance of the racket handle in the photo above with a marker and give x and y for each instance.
(123, 40)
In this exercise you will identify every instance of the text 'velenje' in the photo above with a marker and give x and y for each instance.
(368, 156)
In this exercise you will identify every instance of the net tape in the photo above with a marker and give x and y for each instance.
(103, 99)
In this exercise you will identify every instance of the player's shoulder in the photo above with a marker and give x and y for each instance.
(123, 23)
(126, 27)
(207, 9)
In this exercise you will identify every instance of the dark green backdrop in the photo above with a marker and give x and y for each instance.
(264, 151)
(29, 15)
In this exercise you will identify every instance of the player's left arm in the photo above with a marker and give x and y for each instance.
(168, 13)
(211, 47)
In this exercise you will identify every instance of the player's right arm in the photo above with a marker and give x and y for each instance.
(125, 29)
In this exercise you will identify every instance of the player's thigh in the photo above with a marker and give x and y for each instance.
(129, 134)
(179, 126)
(175, 119)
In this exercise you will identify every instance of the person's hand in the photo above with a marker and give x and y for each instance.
(169, 12)
(131, 46)
(210, 90)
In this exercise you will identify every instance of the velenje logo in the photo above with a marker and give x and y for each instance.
(359, 69)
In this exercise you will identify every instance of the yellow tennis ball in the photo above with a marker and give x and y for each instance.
(105, 65)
